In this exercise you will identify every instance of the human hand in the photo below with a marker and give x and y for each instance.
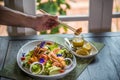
(45, 22)
(18, 19)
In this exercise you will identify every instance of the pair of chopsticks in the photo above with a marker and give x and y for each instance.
(71, 28)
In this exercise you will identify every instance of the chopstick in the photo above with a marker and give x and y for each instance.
(71, 28)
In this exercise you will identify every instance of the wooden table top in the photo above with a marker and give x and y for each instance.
(106, 66)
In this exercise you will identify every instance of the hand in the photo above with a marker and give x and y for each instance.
(45, 22)
(18, 19)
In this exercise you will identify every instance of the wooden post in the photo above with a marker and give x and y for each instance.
(100, 15)
(26, 6)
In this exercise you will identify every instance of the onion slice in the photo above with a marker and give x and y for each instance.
(71, 62)
(37, 72)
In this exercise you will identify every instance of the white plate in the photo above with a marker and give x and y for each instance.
(92, 53)
(30, 46)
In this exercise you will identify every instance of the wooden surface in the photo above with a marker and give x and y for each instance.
(106, 65)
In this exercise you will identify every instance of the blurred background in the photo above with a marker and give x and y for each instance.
(68, 8)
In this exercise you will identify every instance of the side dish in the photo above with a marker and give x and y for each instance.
(80, 46)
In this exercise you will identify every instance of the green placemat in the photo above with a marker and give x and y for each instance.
(11, 70)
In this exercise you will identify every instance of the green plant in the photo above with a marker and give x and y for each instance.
(54, 7)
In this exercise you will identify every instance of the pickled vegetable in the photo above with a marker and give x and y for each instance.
(87, 46)
(77, 42)
(82, 52)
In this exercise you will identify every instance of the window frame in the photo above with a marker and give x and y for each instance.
(99, 17)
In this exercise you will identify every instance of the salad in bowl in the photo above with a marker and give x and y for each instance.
(45, 59)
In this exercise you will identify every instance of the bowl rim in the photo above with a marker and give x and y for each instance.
(45, 76)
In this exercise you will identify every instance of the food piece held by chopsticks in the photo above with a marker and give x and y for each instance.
(78, 31)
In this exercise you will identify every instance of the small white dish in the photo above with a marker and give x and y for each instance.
(92, 52)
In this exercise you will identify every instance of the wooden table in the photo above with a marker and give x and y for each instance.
(106, 66)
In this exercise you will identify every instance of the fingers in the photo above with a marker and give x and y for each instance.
(51, 17)
(46, 22)
(51, 23)
(54, 17)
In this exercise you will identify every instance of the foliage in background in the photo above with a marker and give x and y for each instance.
(54, 7)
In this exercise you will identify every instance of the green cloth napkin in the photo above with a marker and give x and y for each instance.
(11, 70)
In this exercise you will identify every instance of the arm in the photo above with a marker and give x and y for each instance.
(15, 18)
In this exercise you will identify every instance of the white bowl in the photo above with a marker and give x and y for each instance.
(30, 46)
(92, 53)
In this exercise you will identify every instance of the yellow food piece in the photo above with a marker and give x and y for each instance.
(54, 70)
(78, 42)
(87, 46)
(82, 52)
